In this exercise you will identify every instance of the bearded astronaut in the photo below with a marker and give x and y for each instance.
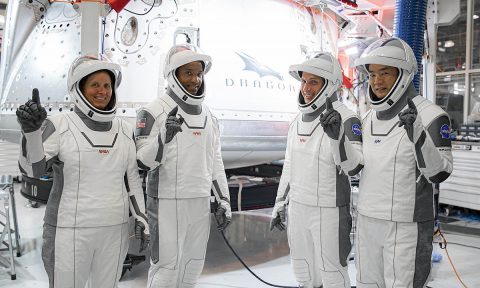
(178, 142)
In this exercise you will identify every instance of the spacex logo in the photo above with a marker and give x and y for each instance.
(251, 64)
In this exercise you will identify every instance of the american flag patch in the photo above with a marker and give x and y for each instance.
(141, 122)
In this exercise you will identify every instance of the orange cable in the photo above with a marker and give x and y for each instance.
(448, 255)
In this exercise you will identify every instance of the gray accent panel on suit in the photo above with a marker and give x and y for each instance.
(342, 188)
(398, 106)
(341, 148)
(440, 177)
(24, 146)
(142, 166)
(48, 131)
(345, 226)
(348, 124)
(313, 130)
(434, 131)
(146, 118)
(423, 210)
(309, 117)
(189, 109)
(418, 150)
(220, 194)
(159, 155)
(100, 146)
(152, 214)
(152, 184)
(423, 253)
(356, 170)
(51, 212)
(93, 125)
(48, 252)
(38, 168)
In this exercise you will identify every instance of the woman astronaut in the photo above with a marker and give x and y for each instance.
(95, 178)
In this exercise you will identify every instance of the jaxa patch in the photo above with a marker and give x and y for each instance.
(445, 131)
(141, 123)
(356, 129)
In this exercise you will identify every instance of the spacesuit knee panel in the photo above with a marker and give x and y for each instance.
(334, 279)
(193, 269)
(162, 278)
(301, 270)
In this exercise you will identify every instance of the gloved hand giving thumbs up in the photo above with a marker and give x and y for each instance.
(31, 114)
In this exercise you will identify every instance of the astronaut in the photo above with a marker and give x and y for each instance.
(406, 148)
(178, 142)
(315, 179)
(95, 178)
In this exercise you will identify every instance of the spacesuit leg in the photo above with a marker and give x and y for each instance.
(67, 254)
(195, 247)
(163, 272)
(369, 252)
(301, 245)
(407, 254)
(331, 234)
(112, 247)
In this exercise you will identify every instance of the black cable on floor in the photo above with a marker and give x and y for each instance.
(248, 268)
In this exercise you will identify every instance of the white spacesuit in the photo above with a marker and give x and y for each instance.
(185, 164)
(95, 181)
(406, 147)
(315, 182)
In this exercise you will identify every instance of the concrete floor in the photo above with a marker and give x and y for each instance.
(264, 251)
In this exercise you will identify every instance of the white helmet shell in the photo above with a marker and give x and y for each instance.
(392, 52)
(324, 65)
(178, 56)
(84, 66)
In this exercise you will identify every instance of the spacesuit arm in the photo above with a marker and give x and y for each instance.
(219, 182)
(433, 148)
(282, 199)
(347, 150)
(135, 192)
(37, 150)
(148, 138)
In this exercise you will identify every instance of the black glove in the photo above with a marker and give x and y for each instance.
(223, 216)
(31, 114)
(408, 117)
(173, 125)
(331, 120)
(278, 216)
(140, 234)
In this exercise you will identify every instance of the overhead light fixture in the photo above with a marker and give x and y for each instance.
(475, 17)
(351, 51)
(449, 44)
(441, 49)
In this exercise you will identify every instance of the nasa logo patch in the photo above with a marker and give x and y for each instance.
(356, 129)
(445, 131)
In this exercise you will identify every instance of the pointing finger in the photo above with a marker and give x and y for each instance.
(328, 104)
(36, 96)
(173, 112)
(411, 105)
